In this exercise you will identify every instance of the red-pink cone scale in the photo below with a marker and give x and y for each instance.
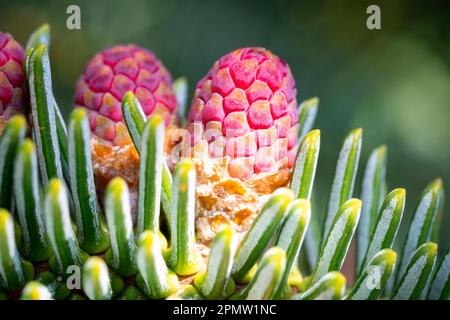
(243, 126)
(113, 72)
(107, 77)
(249, 99)
(12, 86)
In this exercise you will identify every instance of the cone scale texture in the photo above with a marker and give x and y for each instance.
(11, 76)
(109, 75)
(243, 125)
(246, 108)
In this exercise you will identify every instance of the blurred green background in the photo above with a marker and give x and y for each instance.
(393, 82)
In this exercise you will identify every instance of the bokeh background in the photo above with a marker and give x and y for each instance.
(393, 82)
